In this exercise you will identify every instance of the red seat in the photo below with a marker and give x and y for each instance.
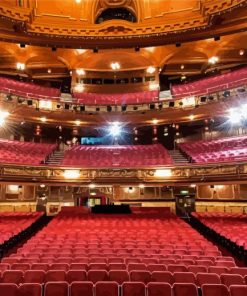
(20, 266)
(184, 289)
(238, 290)
(231, 279)
(40, 266)
(98, 266)
(176, 268)
(159, 289)
(119, 276)
(184, 277)
(81, 288)
(97, 275)
(156, 267)
(197, 269)
(140, 276)
(133, 289)
(162, 277)
(4, 266)
(106, 289)
(116, 266)
(215, 290)
(55, 276)
(56, 288)
(59, 266)
(207, 278)
(239, 270)
(34, 276)
(12, 276)
(8, 289)
(76, 275)
(30, 290)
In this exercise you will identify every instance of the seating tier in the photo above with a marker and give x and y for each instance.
(17, 152)
(117, 156)
(221, 150)
(212, 84)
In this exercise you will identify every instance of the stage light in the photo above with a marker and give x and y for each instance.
(234, 116)
(78, 1)
(115, 129)
(77, 122)
(193, 185)
(150, 70)
(92, 186)
(49, 71)
(141, 186)
(182, 67)
(3, 116)
(71, 174)
(20, 66)
(163, 173)
(79, 88)
(241, 52)
(43, 119)
(213, 60)
(115, 66)
(13, 188)
(45, 104)
(42, 185)
(192, 117)
(155, 121)
(80, 72)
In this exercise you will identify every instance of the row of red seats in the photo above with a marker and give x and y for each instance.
(220, 150)
(211, 84)
(116, 99)
(117, 156)
(183, 266)
(228, 225)
(113, 289)
(120, 276)
(12, 224)
(24, 152)
(28, 89)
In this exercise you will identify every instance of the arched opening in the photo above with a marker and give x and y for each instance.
(116, 14)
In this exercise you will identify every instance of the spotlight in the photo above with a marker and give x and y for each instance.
(192, 117)
(150, 70)
(234, 116)
(3, 116)
(213, 60)
(22, 45)
(115, 129)
(241, 52)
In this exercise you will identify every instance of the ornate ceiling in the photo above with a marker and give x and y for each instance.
(68, 23)
(193, 55)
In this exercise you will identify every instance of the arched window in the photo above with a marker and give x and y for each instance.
(116, 14)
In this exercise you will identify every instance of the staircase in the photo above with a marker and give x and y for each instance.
(55, 158)
(178, 157)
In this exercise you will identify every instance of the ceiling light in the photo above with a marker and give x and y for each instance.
(115, 66)
(234, 116)
(79, 88)
(43, 119)
(92, 186)
(77, 122)
(150, 70)
(213, 60)
(163, 173)
(241, 52)
(183, 77)
(77, 1)
(49, 71)
(182, 67)
(115, 129)
(80, 72)
(20, 66)
(141, 186)
(155, 121)
(192, 117)
(3, 116)
(71, 174)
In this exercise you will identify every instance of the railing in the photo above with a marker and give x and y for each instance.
(181, 174)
